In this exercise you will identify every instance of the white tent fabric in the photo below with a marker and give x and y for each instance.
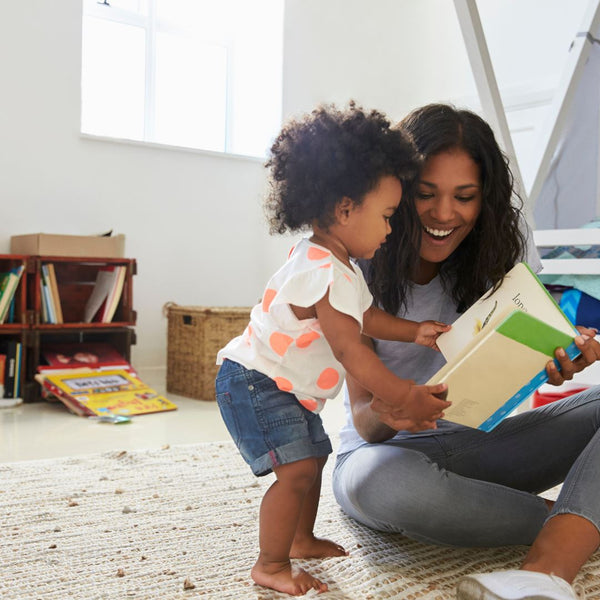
(570, 194)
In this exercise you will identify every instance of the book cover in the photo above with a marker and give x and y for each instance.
(114, 295)
(18, 369)
(10, 370)
(53, 286)
(8, 287)
(2, 368)
(47, 304)
(105, 281)
(93, 355)
(499, 348)
(105, 392)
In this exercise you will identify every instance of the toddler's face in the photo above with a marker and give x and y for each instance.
(369, 222)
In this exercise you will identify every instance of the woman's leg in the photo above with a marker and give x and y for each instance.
(472, 488)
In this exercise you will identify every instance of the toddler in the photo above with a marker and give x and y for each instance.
(339, 173)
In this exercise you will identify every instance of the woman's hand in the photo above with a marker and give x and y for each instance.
(590, 353)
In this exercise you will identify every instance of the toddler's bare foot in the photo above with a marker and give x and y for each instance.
(285, 577)
(313, 547)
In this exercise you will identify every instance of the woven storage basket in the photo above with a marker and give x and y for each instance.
(195, 335)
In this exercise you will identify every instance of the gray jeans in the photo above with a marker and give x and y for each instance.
(470, 488)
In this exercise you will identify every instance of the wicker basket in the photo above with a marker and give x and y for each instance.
(195, 335)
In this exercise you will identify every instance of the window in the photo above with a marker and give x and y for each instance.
(195, 73)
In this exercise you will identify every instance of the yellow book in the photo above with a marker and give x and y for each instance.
(117, 391)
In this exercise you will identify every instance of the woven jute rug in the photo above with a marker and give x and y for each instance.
(181, 523)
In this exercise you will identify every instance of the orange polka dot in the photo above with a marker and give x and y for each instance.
(309, 404)
(270, 293)
(348, 277)
(317, 254)
(291, 250)
(325, 266)
(328, 378)
(306, 339)
(285, 385)
(279, 342)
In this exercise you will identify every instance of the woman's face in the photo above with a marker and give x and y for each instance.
(448, 203)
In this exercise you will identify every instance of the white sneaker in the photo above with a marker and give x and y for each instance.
(514, 585)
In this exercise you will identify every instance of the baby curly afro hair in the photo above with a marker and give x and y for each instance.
(327, 155)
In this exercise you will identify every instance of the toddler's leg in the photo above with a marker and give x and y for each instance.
(305, 544)
(280, 512)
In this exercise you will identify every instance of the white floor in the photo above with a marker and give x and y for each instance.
(49, 430)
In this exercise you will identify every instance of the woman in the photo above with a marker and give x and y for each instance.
(456, 485)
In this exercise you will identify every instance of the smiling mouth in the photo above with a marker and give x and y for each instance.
(438, 233)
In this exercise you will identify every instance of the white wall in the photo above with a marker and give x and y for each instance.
(193, 220)
(396, 55)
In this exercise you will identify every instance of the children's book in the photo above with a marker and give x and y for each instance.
(87, 392)
(108, 286)
(8, 287)
(91, 355)
(498, 349)
(12, 350)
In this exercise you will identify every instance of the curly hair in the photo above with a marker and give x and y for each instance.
(495, 243)
(327, 155)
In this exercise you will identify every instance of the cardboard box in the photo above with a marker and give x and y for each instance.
(48, 244)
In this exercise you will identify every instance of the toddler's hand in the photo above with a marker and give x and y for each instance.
(428, 333)
(415, 411)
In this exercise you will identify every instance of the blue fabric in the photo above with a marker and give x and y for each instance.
(569, 301)
(588, 311)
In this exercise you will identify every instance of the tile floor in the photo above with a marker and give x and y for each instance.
(47, 430)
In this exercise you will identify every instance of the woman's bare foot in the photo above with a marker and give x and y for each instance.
(286, 578)
(313, 547)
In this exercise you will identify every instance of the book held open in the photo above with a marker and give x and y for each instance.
(498, 349)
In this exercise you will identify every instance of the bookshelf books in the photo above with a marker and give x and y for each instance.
(8, 286)
(91, 355)
(96, 291)
(498, 349)
(51, 285)
(105, 296)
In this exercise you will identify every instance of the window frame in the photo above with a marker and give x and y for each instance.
(152, 26)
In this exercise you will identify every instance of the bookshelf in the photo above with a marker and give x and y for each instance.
(15, 327)
(76, 279)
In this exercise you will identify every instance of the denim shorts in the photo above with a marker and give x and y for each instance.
(269, 427)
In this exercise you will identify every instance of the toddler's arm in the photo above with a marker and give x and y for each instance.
(417, 403)
(379, 324)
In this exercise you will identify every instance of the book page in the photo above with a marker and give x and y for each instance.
(521, 289)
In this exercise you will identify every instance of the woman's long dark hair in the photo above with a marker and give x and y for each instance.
(493, 246)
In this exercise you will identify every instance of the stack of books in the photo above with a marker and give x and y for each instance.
(8, 286)
(94, 380)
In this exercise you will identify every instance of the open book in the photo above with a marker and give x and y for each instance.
(498, 349)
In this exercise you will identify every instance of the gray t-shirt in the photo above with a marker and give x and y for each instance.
(411, 361)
